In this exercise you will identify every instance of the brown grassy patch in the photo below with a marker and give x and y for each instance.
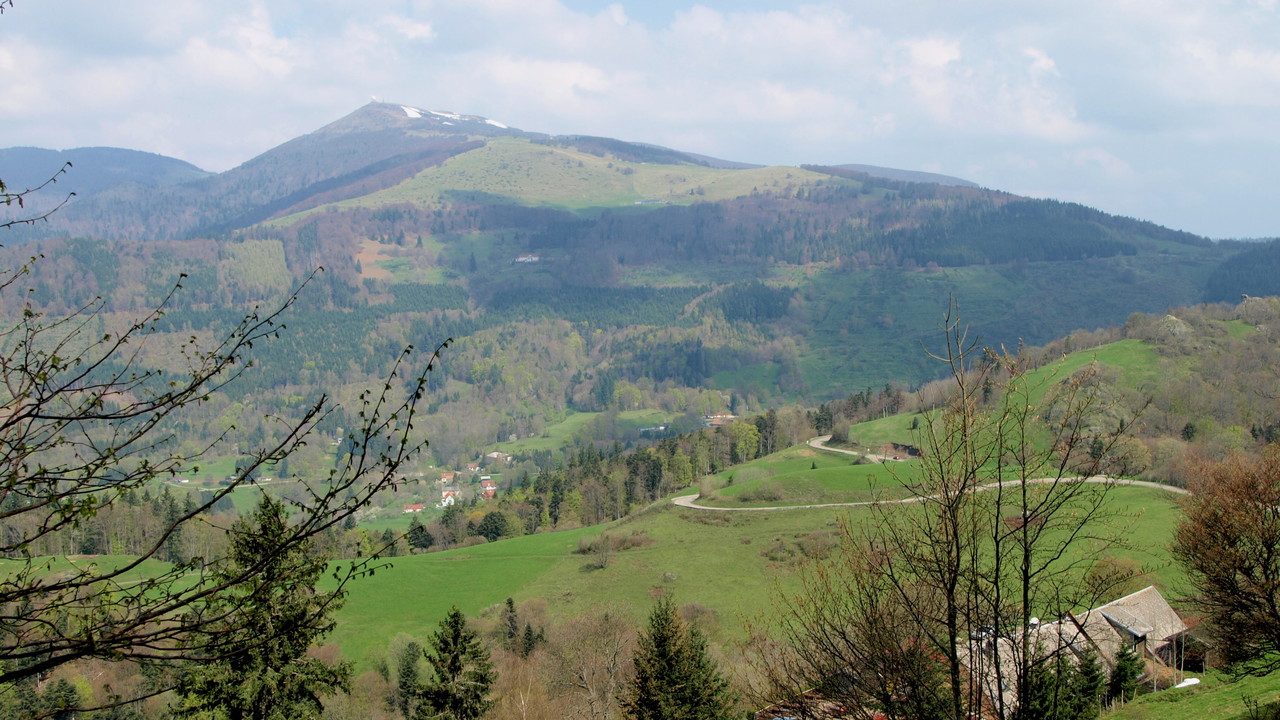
(370, 253)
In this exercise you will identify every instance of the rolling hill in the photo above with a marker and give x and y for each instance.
(585, 274)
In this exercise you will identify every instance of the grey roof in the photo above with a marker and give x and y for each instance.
(1151, 611)
(1126, 621)
(1107, 629)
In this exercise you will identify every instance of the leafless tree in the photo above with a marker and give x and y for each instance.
(1006, 526)
(591, 659)
(83, 422)
(11, 198)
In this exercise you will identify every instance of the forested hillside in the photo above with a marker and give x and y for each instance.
(585, 275)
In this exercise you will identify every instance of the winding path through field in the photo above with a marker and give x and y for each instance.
(687, 501)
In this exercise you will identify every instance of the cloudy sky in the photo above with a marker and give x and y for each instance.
(1166, 110)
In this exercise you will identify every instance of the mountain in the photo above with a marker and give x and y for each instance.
(95, 168)
(585, 274)
(377, 147)
(87, 172)
(908, 175)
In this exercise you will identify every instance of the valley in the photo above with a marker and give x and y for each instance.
(634, 375)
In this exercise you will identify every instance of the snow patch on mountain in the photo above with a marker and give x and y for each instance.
(445, 117)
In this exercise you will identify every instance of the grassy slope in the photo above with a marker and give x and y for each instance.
(104, 563)
(1135, 364)
(561, 434)
(535, 174)
(732, 563)
(414, 593)
(804, 476)
(1215, 697)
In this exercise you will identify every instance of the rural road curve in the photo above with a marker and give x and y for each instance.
(688, 501)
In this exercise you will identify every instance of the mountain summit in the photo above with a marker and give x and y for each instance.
(377, 116)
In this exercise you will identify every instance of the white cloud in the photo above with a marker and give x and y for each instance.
(1041, 63)
(246, 52)
(932, 53)
(410, 29)
(1096, 157)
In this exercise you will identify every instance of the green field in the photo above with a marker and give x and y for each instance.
(734, 564)
(414, 593)
(560, 435)
(76, 563)
(544, 175)
(1136, 364)
(804, 476)
(537, 174)
(1133, 363)
(1217, 696)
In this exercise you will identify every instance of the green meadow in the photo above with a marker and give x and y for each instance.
(1216, 696)
(805, 476)
(537, 174)
(558, 436)
(68, 565)
(735, 565)
(1133, 364)
(545, 175)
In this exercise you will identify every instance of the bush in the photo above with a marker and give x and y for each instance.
(604, 545)
(778, 552)
(817, 544)
(764, 492)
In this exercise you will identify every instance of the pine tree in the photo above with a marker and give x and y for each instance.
(675, 677)
(271, 678)
(530, 640)
(408, 678)
(462, 673)
(1123, 684)
(512, 621)
(1038, 698)
(1089, 683)
(418, 536)
(60, 701)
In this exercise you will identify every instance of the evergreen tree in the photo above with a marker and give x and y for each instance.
(1039, 698)
(60, 701)
(462, 673)
(271, 678)
(512, 621)
(1088, 684)
(408, 679)
(1123, 684)
(675, 677)
(418, 536)
(530, 640)
(21, 701)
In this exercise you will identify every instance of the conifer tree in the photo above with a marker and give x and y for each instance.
(60, 700)
(1123, 684)
(512, 621)
(462, 673)
(675, 677)
(1088, 685)
(408, 679)
(273, 618)
(530, 640)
